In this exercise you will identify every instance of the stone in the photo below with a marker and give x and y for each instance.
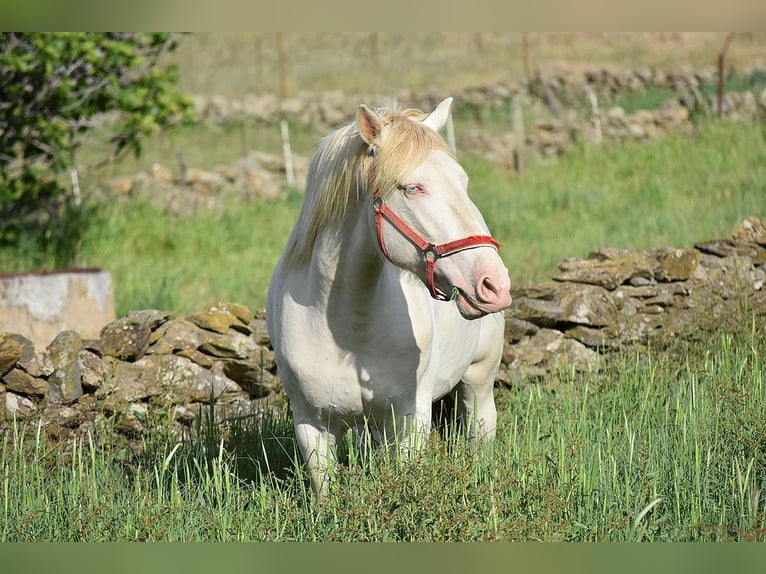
(547, 351)
(516, 329)
(218, 320)
(201, 359)
(552, 304)
(606, 268)
(93, 370)
(751, 230)
(255, 380)
(178, 335)
(536, 311)
(132, 420)
(241, 312)
(63, 415)
(233, 345)
(19, 407)
(260, 332)
(676, 264)
(63, 355)
(10, 353)
(215, 385)
(21, 382)
(125, 340)
(592, 337)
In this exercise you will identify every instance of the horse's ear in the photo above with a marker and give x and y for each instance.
(437, 119)
(369, 125)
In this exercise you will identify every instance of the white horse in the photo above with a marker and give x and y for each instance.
(390, 291)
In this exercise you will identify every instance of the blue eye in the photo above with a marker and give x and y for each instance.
(411, 189)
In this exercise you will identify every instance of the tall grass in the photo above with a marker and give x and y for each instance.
(653, 448)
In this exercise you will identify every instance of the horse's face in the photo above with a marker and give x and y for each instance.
(433, 201)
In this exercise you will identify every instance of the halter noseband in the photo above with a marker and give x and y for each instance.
(430, 251)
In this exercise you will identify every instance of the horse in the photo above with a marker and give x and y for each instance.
(389, 292)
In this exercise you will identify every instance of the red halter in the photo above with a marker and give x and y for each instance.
(430, 251)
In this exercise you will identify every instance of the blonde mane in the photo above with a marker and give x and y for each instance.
(339, 172)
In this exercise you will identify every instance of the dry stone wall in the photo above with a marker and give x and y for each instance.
(149, 366)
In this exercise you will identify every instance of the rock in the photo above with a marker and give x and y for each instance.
(201, 359)
(21, 382)
(132, 382)
(751, 230)
(552, 304)
(250, 375)
(548, 351)
(606, 268)
(10, 353)
(63, 355)
(536, 311)
(133, 419)
(516, 329)
(260, 332)
(676, 264)
(230, 346)
(215, 385)
(241, 312)
(128, 337)
(19, 407)
(93, 370)
(178, 335)
(125, 340)
(214, 320)
(63, 415)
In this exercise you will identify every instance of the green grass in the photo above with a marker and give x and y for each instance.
(663, 445)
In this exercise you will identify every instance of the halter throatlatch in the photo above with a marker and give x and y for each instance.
(430, 251)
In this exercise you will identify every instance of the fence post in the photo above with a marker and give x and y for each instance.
(595, 116)
(289, 173)
(721, 57)
(519, 137)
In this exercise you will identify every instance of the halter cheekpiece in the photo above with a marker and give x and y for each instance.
(431, 252)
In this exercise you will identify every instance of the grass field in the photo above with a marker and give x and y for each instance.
(660, 446)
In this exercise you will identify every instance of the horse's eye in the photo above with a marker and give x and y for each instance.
(411, 189)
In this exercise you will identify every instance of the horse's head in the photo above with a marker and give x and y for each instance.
(423, 218)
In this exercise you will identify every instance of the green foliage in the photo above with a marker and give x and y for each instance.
(56, 89)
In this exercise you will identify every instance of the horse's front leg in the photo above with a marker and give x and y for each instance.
(476, 401)
(318, 449)
(409, 428)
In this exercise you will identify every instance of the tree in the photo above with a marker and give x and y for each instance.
(58, 88)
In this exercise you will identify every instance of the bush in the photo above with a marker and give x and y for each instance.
(56, 89)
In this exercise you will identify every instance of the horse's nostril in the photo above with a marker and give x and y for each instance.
(493, 290)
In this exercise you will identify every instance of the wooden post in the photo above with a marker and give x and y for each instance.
(525, 55)
(721, 57)
(595, 116)
(289, 173)
(282, 65)
(519, 137)
(75, 186)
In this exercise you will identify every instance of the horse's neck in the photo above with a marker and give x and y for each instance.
(345, 262)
